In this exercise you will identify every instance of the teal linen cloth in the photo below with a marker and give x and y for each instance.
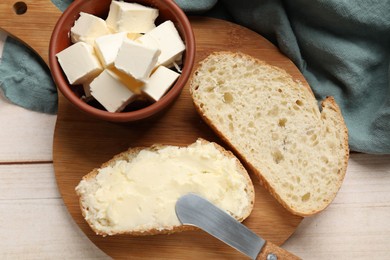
(341, 47)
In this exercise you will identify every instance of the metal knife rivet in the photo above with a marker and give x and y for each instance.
(272, 256)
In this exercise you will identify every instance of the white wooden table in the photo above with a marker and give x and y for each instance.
(35, 224)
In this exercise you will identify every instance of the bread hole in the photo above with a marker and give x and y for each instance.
(209, 88)
(313, 137)
(274, 111)
(282, 122)
(305, 197)
(280, 90)
(196, 87)
(251, 124)
(220, 82)
(231, 127)
(299, 102)
(211, 69)
(227, 97)
(295, 107)
(277, 156)
(230, 117)
(331, 144)
(325, 159)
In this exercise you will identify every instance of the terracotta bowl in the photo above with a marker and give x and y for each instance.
(168, 10)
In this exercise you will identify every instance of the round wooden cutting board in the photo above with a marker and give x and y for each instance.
(82, 143)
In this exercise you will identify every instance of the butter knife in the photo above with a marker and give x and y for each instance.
(192, 209)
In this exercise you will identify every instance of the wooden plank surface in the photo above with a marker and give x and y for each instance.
(25, 135)
(82, 143)
(34, 222)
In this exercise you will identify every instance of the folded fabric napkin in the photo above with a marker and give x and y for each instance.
(341, 47)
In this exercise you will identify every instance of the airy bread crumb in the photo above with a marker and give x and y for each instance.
(274, 124)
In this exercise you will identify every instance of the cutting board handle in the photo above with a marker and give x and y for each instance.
(271, 251)
(30, 21)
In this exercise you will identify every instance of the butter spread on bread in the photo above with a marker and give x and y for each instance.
(273, 123)
(135, 193)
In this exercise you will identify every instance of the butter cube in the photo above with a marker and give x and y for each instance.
(107, 47)
(110, 92)
(131, 83)
(87, 28)
(79, 63)
(166, 38)
(131, 17)
(136, 60)
(160, 82)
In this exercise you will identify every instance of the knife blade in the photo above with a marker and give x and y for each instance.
(194, 210)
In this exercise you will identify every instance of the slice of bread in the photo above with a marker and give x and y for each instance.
(274, 124)
(136, 191)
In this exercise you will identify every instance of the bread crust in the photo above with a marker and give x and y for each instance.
(129, 155)
(327, 103)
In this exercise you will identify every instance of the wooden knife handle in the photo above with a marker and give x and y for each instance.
(271, 251)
